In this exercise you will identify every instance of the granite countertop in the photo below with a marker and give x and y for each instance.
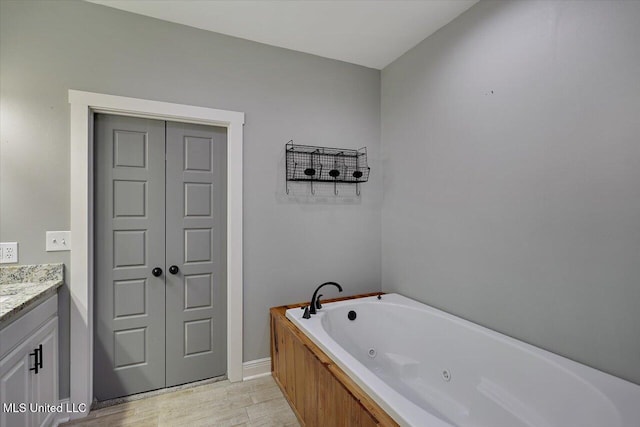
(22, 287)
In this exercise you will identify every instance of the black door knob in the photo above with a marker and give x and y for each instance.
(174, 269)
(156, 271)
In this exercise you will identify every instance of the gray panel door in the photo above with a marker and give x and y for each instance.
(196, 244)
(129, 193)
(158, 331)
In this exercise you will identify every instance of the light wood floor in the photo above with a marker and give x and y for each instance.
(251, 403)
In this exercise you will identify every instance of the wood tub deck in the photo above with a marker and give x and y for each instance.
(318, 390)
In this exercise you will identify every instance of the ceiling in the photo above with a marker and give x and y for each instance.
(372, 33)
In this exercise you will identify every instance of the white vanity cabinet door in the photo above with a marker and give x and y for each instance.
(24, 395)
(45, 382)
(15, 387)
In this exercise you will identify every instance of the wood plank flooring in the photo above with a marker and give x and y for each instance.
(253, 403)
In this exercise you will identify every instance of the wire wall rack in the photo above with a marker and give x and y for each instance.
(322, 164)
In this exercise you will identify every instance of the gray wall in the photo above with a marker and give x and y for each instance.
(291, 243)
(511, 161)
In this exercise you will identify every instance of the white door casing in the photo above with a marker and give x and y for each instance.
(83, 106)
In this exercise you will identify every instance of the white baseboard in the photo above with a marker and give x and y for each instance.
(256, 368)
(61, 417)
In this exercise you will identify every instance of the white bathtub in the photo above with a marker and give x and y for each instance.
(428, 368)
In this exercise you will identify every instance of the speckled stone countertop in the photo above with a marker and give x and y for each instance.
(24, 286)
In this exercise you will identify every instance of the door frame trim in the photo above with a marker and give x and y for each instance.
(83, 106)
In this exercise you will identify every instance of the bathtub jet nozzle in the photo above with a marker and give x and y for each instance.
(315, 300)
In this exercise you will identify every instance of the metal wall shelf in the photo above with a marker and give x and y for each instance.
(323, 164)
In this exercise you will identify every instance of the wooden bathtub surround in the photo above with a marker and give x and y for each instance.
(318, 390)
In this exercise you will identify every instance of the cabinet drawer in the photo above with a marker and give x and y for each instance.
(22, 328)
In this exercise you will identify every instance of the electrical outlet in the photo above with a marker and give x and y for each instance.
(8, 252)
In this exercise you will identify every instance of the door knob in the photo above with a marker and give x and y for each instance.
(174, 269)
(156, 271)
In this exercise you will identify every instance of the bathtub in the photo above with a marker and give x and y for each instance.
(427, 368)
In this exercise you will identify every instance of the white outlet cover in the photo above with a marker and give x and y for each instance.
(9, 251)
(58, 241)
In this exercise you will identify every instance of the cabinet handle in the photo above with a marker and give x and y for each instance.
(37, 363)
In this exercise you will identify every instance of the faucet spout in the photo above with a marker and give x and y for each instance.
(314, 299)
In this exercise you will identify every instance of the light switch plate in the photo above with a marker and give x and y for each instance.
(58, 241)
(8, 252)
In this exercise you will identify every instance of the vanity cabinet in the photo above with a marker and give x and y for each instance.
(29, 367)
